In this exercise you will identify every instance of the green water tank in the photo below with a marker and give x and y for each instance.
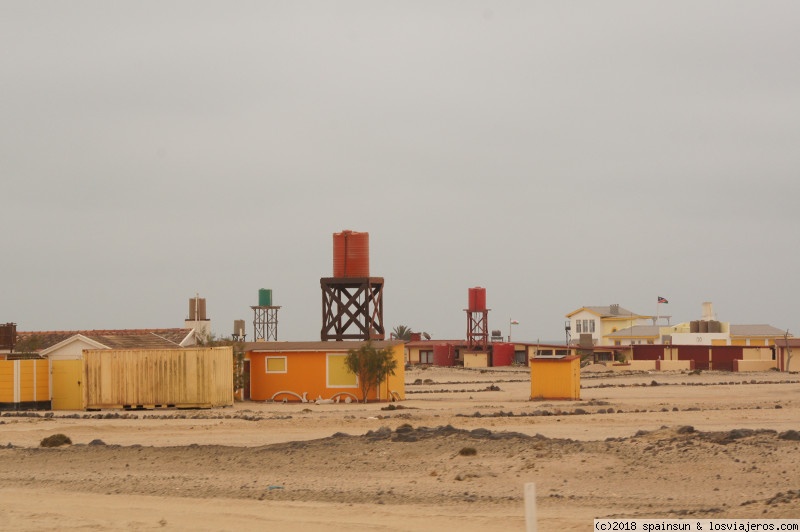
(265, 297)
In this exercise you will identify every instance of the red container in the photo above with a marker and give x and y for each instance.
(502, 354)
(444, 355)
(477, 299)
(350, 254)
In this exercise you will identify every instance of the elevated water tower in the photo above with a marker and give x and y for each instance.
(477, 319)
(239, 332)
(8, 336)
(197, 319)
(352, 300)
(265, 317)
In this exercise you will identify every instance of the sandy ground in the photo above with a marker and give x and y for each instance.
(456, 454)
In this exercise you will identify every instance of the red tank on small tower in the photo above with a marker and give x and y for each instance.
(352, 300)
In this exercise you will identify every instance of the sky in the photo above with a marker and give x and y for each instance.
(559, 154)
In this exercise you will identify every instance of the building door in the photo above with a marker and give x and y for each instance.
(246, 370)
(67, 386)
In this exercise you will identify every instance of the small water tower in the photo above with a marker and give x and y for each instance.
(477, 319)
(197, 319)
(8, 336)
(352, 300)
(239, 332)
(265, 317)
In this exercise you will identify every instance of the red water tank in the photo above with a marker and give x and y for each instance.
(477, 299)
(444, 355)
(350, 254)
(502, 354)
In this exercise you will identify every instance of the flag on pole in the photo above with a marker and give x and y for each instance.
(514, 322)
(662, 299)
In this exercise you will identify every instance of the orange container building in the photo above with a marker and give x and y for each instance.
(307, 371)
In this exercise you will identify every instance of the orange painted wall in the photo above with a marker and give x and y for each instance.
(306, 372)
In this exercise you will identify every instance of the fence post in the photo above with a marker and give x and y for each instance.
(530, 507)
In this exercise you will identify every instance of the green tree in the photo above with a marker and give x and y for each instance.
(371, 365)
(402, 332)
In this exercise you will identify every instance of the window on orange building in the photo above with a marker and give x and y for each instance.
(338, 376)
(275, 364)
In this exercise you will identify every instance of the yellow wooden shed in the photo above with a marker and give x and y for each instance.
(556, 377)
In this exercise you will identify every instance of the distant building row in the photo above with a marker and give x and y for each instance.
(614, 325)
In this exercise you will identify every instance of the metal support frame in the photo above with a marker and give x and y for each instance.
(265, 323)
(478, 329)
(352, 308)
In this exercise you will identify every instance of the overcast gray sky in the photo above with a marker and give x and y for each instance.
(560, 154)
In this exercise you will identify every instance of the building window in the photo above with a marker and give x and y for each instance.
(426, 357)
(338, 376)
(617, 342)
(578, 326)
(275, 364)
(591, 326)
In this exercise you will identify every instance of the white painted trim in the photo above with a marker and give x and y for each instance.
(70, 340)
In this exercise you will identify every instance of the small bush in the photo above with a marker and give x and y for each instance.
(468, 451)
(56, 440)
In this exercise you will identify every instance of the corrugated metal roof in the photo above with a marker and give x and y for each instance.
(606, 312)
(792, 342)
(316, 346)
(36, 341)
(431, 343)
(756, 330)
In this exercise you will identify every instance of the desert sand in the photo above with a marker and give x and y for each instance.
(456, 454)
